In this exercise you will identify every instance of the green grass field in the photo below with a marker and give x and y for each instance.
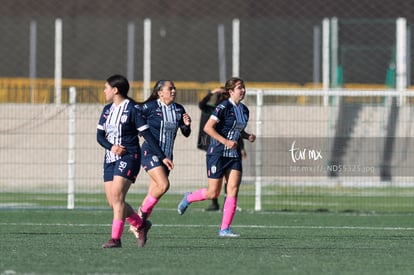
(69, 242)
(274, 198)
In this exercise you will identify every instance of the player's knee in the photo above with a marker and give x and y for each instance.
(164, 187)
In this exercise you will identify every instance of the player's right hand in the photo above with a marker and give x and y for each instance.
(118, 149)
(168, 163)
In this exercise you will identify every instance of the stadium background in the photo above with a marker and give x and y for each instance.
(277, 40)
(276, 37)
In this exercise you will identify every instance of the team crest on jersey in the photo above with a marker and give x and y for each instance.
(124, 118)
(155, 159)
(213, 169)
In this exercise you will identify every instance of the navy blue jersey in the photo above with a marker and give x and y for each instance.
(119, 125)
(231, 121)
(163, 122)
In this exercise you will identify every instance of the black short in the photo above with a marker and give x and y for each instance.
(218, 165)
(127, 166)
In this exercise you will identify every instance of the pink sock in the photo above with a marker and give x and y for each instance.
(199, 195)
(117, 229)
(134, 220)
(229, 210)
(149, 204)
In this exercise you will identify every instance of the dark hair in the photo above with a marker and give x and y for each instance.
(157, 87)
(231, 83)
(121, 83)
(222, 96)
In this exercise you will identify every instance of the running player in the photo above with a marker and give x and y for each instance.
(225, 126)
(118, 133)
(207, 106)
(164, 117)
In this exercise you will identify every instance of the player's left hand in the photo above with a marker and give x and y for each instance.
(187, 119)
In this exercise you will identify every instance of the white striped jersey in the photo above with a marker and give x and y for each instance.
(120, 125)
(163, 122)
(231, 121)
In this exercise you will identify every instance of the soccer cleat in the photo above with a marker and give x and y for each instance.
(213, 207)
(143, 232)
(228, 233)
(112, 243)
(183, 205)
(133, 230)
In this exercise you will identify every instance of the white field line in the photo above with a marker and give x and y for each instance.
(238, 226)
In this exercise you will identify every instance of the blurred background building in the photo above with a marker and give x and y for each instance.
(277, 38)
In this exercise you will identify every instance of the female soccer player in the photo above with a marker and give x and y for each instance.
(118, 133)
(207, 105)
(163, 117)
(225, 126)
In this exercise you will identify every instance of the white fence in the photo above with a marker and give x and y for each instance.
(52, 148)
